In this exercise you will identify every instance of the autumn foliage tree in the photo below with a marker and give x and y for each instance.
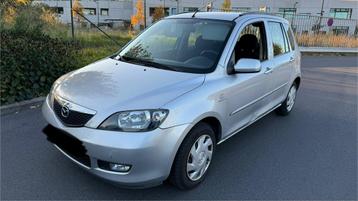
(77, 8)
(226, 6)
(158, 14)
(10, 8)
(138, 18)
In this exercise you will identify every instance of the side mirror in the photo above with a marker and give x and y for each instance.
(247, 66)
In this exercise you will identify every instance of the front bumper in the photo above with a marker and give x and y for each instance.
(150, 154)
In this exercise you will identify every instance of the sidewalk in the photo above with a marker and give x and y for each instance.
(328, 50)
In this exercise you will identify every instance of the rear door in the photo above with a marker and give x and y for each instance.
(283, 58)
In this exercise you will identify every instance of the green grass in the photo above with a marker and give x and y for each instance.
(94, 45)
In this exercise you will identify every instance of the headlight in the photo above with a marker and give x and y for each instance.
(52, 92)
(55, 85)
(135, 121)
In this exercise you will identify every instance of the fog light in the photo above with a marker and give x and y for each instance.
(119, 167)
(115, 167)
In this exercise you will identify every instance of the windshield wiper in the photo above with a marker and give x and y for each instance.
(147, 63)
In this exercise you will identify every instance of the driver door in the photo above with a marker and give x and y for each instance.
(248, 90)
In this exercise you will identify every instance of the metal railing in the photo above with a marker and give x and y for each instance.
(309, 24)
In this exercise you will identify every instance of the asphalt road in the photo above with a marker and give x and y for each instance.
(310, 154)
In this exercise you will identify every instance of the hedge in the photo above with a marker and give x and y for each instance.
(30, 63)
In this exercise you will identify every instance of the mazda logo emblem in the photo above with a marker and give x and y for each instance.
(65, 110)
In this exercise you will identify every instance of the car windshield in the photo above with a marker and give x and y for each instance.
(186, 45)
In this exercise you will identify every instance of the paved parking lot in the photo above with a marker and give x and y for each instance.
(310, 154)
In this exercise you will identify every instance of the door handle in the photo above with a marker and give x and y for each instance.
(268, 70)
(292, 59)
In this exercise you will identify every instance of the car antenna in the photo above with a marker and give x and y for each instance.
(197, 10)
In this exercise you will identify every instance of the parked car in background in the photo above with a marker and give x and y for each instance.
(158, 108)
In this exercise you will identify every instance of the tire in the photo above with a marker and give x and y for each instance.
(201, 134)
(287, 105)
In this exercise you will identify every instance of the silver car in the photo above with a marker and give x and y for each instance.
(156, 109)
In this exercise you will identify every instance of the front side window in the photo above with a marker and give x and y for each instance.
(186, 45)
(251, 43)
(279, 43)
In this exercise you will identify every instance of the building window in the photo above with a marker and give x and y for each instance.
(342, 13)
(152, 9)
(174, 11)
(241, 9)
(287, 12)
(104, 11)
(89, 11)
(338, 30)
(189, 9)
(57, 10)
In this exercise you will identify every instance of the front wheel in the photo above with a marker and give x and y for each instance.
(287, 105)
(194, 157)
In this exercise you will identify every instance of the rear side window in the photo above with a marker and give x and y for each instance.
(291, 37)
(279, 41)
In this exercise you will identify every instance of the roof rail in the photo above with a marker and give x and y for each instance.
(255, 13)
(258, 12)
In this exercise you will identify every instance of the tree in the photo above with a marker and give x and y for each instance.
(226, 6)
(10, 8)
(158, 14)
(138, 18)
(77, 8)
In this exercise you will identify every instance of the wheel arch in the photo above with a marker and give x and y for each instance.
(297, 81)
(212, 120)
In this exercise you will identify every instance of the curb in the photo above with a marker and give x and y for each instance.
(329, 50)
(19, 106)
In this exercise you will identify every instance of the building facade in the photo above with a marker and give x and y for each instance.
(300, 12)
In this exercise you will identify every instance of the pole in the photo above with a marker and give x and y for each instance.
(177, 7)
(97, 13)
(293, 16)
(320, 18)
(164, 7)
(108, 36)
(145, 13)
(72, 28)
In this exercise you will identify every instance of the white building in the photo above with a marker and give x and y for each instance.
(97, 11)
(106, 11)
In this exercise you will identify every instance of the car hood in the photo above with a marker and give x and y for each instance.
(111, 85)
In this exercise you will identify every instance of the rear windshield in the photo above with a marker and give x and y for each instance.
(186, 45)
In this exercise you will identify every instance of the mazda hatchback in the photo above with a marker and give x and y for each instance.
(156, 110)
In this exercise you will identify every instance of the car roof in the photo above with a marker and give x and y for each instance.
(228, 16)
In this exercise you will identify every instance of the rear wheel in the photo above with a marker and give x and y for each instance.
(287, 105)
(194, 157)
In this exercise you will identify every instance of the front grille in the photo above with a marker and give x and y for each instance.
(74, 118)
(68, 144)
